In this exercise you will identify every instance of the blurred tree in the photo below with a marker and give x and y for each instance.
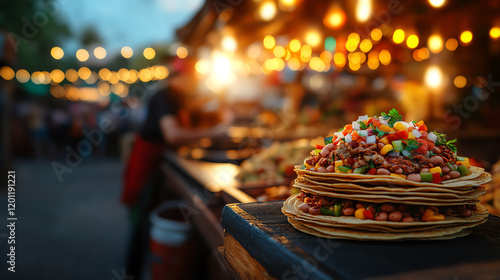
(34, 27)
(90, 36)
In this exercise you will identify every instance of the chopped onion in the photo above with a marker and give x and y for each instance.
(406, 153)
(412, 124)
(371, 139)
(416, 133)
(393, 153)
(431, 136)
(339, 134)
(363, 133)
(384, 121)
(363, 118)
(348, 138)
(355, 126)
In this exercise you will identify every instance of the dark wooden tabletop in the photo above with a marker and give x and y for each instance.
(286, 253)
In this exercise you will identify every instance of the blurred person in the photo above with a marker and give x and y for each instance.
(165, 127)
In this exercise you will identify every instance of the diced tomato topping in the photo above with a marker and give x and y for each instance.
(372, 171)
(423, 148)
(403, 134)
(347, 129)
(368, 214)
(430, 145)
(355, 136)
(423, 127)
(392, 137)
(318, 146)
(375, 121)
(436, 178)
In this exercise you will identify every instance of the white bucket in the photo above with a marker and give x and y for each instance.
(168, 226)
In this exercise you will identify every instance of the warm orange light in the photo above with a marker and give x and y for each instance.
(127, 52)
(22, 76)
(287, 5)
(466, 37)
(295, 45)
(269, 42)
(82, 55)
(267, 10)
(385, 57)
(436, 3)
(354, 66)
(435, 43)
(376, 34)
(433, 77)
(460, 81)
(363, 10)
(335, 17)
(105, 74)
(495, 32)
(294, 64)
(412, 41)
(57, 53)
(84, 73)
(339, 59)
(373, 63)
(71, 75)
(99, 52)
(149, 53)
(7, 73)
(423, 53)
(452, 44)
(316, 64)
(365, 45)
(313, 38)
(229, 43)
(279, 51)
(326, 56)
(398, 36)
(57, 76)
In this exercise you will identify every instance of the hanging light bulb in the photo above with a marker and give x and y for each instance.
(335, 17)
(363, 10)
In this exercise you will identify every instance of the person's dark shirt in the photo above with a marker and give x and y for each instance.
(161, 104)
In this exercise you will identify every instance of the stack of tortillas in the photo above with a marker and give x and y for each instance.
(379, 189)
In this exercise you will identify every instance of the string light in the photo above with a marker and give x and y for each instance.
(365, 45)
(433, 77)
(182, 52)
(398, 36)
(460, 81)
(7, 73)
(376, 34)
(22, 76)
(99, 52)
(385, 57)
(57, 53)
(466, 37)
(412, 41)
(335, 17)
(267, 10)
(149, 53)
(363, 10)
(313, 38)
(127, 52)
(339, 59)
(295, 45)
(436, 3)
(451, 44)
(279, 51)
(269, 42)
(495, 32)
(82, 55)
(435, 43)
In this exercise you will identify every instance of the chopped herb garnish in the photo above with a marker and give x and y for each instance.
(362, 125)
(377, 131)
(328, 140)
(394, 116)
(441, 140)
(340, 129)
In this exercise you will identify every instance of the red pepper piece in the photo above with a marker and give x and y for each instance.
(368, 214)
(436, 178)
(372, 171)
(403, 134)
(318, 146)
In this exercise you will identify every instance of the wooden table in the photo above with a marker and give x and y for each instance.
(261, 244)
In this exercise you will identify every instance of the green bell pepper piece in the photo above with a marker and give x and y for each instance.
(463, 170)
(398, 145)
(344, 168)
(335, 210)
(426, 177)
(361, 170)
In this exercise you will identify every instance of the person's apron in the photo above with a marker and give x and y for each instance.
(144, 159)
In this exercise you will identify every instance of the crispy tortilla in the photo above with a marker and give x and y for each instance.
(340, 233)
(293, 202)
(476, 178)
(377, 198)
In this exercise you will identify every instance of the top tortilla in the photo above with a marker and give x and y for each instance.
(476, 178)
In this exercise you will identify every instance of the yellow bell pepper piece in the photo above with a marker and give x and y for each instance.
(410, 135)
(464, 162)
(317, 166)
(337, 164)
(386, 149)
(359, 213)
(384, 140)
(399, 126)
(307, 165)
(436, 169)
(399, 175)
(431, 216)
(386, 128)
